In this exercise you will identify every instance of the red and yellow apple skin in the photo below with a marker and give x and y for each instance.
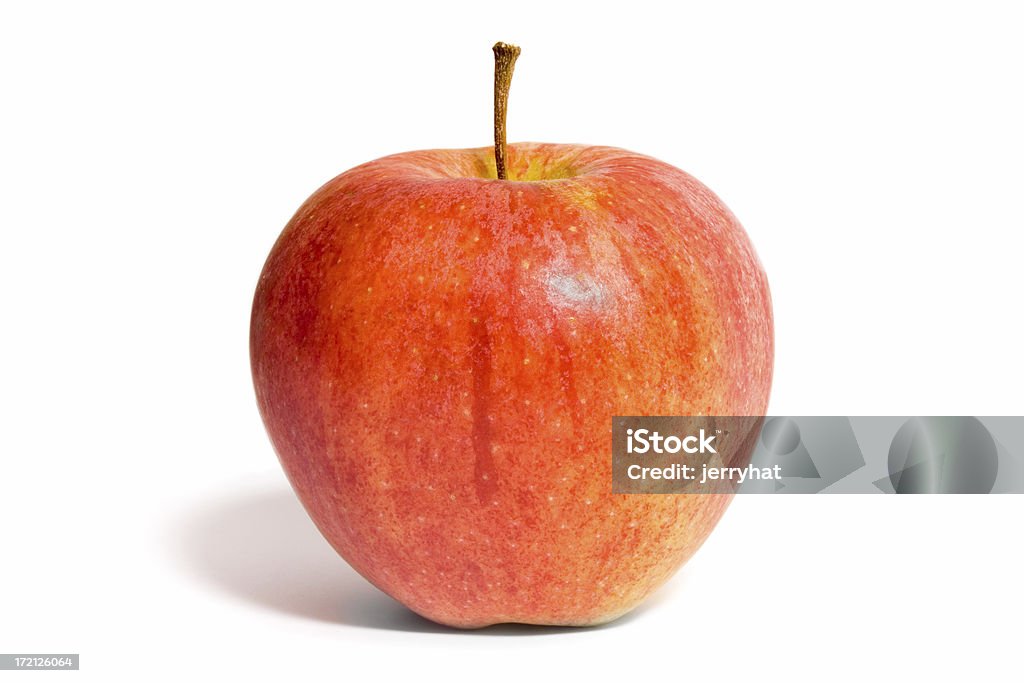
(438, 354)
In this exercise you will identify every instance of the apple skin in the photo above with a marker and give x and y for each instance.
(438, 354)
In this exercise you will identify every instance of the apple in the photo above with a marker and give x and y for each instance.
(439, 342)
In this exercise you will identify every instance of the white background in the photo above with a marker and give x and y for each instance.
(150, 157)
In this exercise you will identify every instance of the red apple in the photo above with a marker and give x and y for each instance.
(438, 354)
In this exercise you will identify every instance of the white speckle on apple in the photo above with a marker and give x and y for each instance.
(567, 290)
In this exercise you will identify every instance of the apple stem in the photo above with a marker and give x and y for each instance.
(505, 56)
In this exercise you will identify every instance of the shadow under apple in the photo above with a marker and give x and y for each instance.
(262, 547)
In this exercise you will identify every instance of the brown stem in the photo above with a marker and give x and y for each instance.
(505, 56)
